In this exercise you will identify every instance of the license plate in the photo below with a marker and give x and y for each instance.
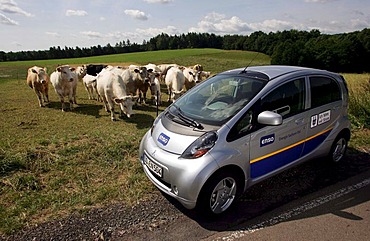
(152, 166)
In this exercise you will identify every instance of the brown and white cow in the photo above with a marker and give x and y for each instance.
(112, 89)
(64, 81)
(175, 81)
(38, 80)
(141, 81)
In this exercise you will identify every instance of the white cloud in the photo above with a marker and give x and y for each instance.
(102, 18)
(273, 25)
(158, 1)
(92, 34)
(7, 21)
(136, 14)
(53, 34)
(79, 13)
(217, 23)
(10, 6)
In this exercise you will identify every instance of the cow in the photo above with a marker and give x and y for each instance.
(90, 85)
(155, 89)
(112, 90)
(141, 81)
(64, 81)
(81, 71)
(175, 81)
(191, 77)
(164, 68)
(38, 80)
(205, 74)
(95, 69)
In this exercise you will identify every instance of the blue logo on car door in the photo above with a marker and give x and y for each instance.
(163, 139)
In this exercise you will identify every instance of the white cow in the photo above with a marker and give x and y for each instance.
(81, 71)
(191, 77)
(175, 81)
(38, 80)
(164, 68)
(64, 81)
(155, 89)
(112, 89)
(90, 85)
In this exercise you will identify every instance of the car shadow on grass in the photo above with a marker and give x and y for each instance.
(283, 188)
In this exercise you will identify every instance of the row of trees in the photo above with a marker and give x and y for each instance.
(347, 52)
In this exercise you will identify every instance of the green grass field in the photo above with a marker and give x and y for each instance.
(54, 163)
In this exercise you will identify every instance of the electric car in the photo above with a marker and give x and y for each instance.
(242, 126)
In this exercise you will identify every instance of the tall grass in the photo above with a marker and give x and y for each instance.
(359, 102)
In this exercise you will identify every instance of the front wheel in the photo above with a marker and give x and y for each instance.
(219, 193)
(338, 149)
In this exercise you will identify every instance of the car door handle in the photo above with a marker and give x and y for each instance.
(299, 121)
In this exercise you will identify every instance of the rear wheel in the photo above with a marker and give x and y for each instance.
(338, 149)
(219, 193)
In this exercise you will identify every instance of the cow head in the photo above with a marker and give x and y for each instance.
(66, 72)
(126, 104)
(41, 74)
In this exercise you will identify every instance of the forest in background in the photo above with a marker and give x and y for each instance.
(345, 52)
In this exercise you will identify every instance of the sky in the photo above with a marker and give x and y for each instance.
(41, 24)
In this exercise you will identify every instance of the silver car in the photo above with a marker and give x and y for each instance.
(241, 127)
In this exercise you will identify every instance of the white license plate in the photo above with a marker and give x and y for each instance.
(152, 166)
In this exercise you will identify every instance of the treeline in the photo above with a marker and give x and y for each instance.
(346, 52)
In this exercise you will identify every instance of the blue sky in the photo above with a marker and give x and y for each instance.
(41, 24)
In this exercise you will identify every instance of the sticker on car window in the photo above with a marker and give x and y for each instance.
(320, 118)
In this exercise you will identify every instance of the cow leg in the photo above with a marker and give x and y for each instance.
(74, 95)
(38, 93)
(169, 94)
(70, 97)
(111, 108)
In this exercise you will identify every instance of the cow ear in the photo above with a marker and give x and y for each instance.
(45, 69)
(73, 69)
(191, 73)
(136, 70)
(59, 69)
(34, 71)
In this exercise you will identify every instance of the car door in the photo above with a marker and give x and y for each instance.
(324, 110)
(274, 147)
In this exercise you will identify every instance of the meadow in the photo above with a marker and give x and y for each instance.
(54, 163)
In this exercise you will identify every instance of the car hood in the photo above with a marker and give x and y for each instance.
(170, 141)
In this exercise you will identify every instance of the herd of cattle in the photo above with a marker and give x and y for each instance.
(115, 84)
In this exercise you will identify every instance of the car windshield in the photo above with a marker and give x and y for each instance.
(219, 98)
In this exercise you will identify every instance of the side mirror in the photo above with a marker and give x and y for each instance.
(269, 118)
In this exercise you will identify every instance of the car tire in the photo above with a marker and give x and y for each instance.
(219, 193)
(338, 150)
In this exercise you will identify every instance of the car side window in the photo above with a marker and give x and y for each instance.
(287, 99)
(242, 127)
(323, 91)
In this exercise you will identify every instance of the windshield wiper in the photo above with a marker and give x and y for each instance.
(188, 120)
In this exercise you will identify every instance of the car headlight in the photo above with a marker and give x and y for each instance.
(200, 146)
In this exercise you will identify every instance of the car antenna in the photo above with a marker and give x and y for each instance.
(245, 69)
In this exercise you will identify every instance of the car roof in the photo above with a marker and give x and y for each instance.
(269, 72)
